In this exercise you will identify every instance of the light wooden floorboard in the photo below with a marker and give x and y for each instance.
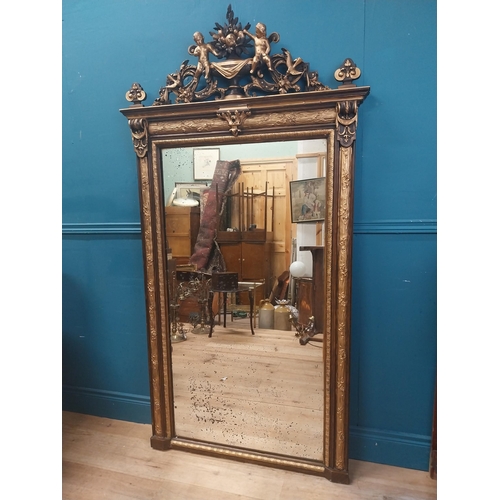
(111, 459)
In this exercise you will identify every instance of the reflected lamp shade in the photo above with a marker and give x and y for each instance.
(297, 269)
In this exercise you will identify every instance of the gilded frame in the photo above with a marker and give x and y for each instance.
(329, 114)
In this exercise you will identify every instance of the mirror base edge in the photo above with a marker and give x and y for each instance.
(161, 444)
(337, 476)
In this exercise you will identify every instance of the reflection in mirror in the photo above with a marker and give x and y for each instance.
(263, 391)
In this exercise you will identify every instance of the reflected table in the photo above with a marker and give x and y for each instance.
(243, 287)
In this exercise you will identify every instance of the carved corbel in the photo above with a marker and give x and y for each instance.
(235, 118)
(346, 121)
(139, 129)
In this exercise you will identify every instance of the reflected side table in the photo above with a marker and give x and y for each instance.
(242, 287)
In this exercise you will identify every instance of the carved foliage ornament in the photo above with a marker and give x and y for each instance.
(244, 68)
(234, 117)
(238, 63)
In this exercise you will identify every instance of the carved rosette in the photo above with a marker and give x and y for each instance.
(346, 121)
(139, 129)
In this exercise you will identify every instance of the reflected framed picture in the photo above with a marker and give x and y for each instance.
(189, 189)
(308, 200)
(204, 162)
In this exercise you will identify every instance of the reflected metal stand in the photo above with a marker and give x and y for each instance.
(177, 332)
(195, 284)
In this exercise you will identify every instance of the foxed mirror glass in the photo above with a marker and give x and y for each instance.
(236, 389)
(246, 191)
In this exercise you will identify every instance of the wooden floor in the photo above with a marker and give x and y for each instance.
(111, 459)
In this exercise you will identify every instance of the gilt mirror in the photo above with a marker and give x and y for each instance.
(245, 163)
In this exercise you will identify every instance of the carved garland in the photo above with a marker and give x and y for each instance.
(245, 68)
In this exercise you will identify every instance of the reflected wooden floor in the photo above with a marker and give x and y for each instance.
(111, 459)
(262, 392)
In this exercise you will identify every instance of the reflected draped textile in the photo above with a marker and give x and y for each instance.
(206, 254)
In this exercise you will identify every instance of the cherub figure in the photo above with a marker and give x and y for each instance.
(201, 50)
(262, 46)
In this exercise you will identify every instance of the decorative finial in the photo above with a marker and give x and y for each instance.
(347, 73)
(136, 95)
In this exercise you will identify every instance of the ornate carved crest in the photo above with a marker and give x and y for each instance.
(244, 66)
(237, 63)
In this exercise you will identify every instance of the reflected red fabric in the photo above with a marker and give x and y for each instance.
(206, 254)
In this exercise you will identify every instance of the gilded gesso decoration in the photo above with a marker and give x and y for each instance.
(344, 257)
(151, 283)
(235, 118)
(251, 95)
(236, 73)
(139, 129)
(347, 120)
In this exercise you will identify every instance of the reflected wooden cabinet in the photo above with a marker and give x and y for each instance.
(247, 250)
(182, 225)
(247, 253)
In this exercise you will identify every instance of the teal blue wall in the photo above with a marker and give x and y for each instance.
(108, 45)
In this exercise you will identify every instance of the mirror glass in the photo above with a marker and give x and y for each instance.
(264, 391)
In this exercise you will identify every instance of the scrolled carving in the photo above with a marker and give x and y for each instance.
(246, 65)
(139, 129)
(347, 121)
